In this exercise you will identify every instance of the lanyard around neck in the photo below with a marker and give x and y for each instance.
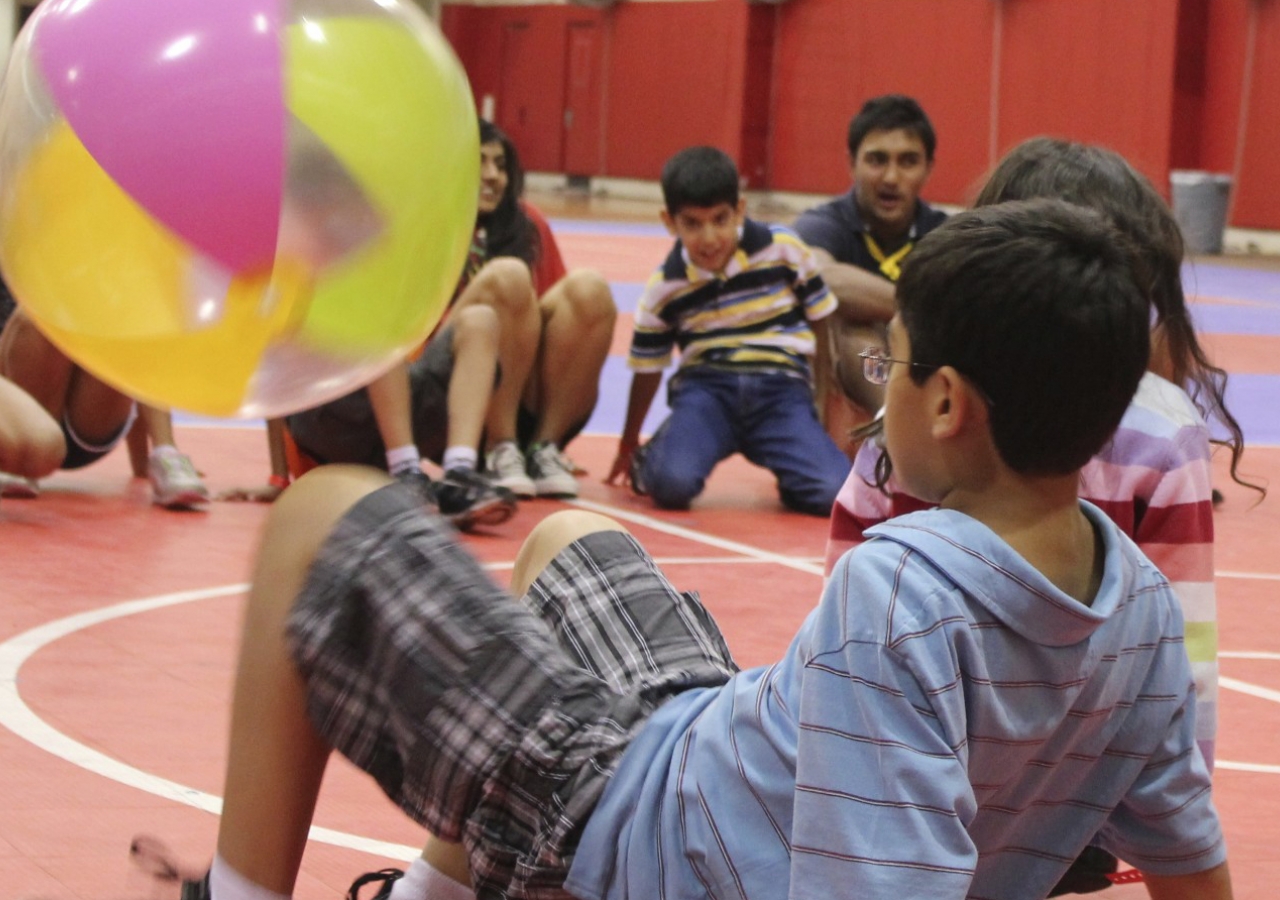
(888, 264)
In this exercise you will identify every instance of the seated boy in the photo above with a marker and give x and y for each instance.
(983, 688)
(742, 300)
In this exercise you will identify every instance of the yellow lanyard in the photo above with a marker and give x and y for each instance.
(888, 264)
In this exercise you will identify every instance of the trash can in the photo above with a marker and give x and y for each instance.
(1200, 206)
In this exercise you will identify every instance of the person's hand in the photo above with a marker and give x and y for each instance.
(266, 493)
(620, 471)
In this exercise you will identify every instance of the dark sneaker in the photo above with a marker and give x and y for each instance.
(636, 470)
(551, 472)
(154, 858)
(418, 482)
(1093, 870)
(467, 499)
(386, 877)
(196, 890)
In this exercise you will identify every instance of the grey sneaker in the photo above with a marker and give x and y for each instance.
(175, 483)
(506, 468)
(551, 472)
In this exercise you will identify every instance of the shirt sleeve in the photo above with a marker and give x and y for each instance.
(1166, 825)
(819, 227)
(895, 827)
(652, 338)
(1174, 528)
(549, 267)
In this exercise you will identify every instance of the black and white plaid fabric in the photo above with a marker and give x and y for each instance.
(491, 721)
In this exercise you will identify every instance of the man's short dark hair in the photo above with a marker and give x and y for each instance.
(891, 113)
(701, 177)
(1037, 303)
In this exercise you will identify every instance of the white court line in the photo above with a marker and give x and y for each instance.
(22, 720)
(655, 524)
(1254, 576)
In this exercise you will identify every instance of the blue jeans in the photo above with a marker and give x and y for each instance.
(767, 417)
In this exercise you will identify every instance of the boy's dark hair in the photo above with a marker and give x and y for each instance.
(890, 113)
(701, 177)
(1037, 303)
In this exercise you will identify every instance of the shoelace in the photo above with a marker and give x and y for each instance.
(385, 876)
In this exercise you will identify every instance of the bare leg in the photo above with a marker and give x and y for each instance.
(391, 400)
(506, 285)
(547, 539)
(31, 442)
(139, 446)
(31, 361)
(578, 315)
(476, 339)
(276, 758)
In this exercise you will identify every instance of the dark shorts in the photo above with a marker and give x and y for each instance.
(81, 454)
(345, 430)
(492, 721)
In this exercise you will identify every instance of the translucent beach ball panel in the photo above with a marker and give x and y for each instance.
(240, 208)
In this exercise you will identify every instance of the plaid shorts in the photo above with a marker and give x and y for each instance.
(492, 721)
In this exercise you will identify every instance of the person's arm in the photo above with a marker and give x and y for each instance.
(1211, 884)
(858, 692)
(31, 442)
(644, 385)
(864, 297)
(279, 479)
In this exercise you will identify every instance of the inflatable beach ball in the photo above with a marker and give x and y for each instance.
(235, 207)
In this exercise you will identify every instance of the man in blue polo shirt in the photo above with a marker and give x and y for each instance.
(861, 237)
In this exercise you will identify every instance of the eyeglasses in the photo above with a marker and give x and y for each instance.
(875, 365)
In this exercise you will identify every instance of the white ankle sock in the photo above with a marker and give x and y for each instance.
(423, 882)
(402, 459)
(460, 458)
(225, 883)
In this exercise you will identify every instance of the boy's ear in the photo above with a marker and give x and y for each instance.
(742, 207)
(953, 403)
(668, 221)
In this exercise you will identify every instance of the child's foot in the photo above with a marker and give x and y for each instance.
(387, 877)
(154, 858)
(175, 483)
(467, 499)
(636, 470)
(505, 465)
(16, 487)
(551, 472)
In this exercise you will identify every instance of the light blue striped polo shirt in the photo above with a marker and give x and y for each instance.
(946, 723)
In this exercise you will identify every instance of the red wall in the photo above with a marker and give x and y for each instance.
(833, 54)
(1160, 81)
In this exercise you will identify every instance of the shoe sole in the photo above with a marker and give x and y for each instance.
(552, 494)
(182, 500)
(17, 490)
(494, 511)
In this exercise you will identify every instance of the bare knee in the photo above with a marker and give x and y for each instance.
(588, 294)
(504, 283)
(549, 537)
(304, 515)
(476, 324)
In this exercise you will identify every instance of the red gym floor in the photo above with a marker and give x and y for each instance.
(118, 626)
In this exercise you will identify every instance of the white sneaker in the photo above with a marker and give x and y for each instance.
(552, 472)
(505, 467)
(175, 483)
(18, 488)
